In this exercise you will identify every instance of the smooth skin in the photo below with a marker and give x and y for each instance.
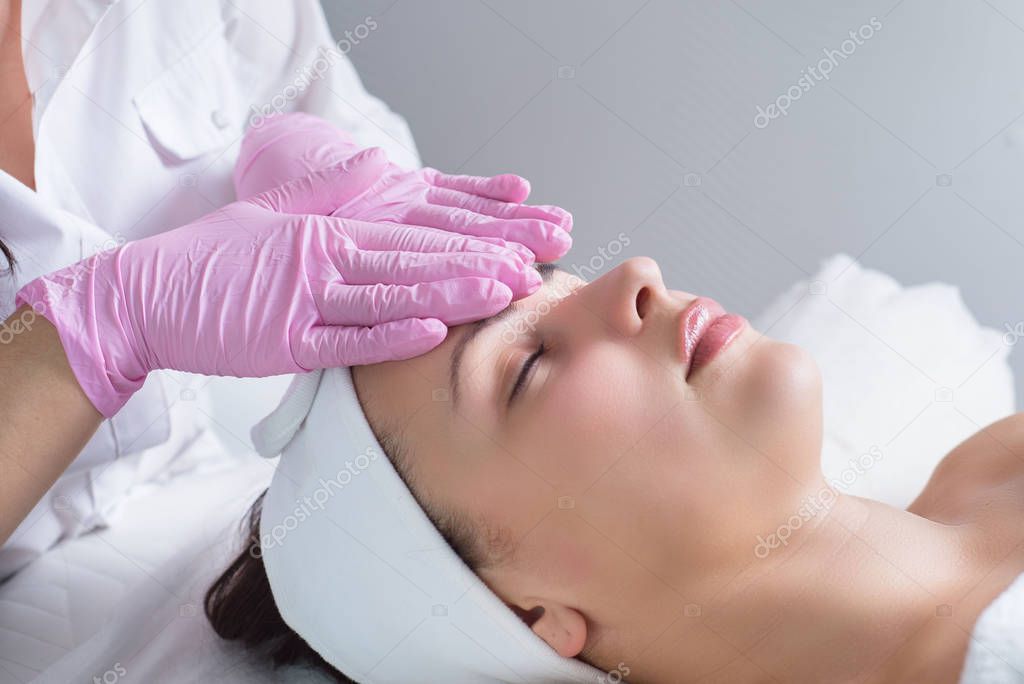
(37, 445)
(626, 500)
(17, 146)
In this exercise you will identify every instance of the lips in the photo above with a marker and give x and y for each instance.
(706, 330)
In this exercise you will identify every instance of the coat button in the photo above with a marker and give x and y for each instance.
(219, 119)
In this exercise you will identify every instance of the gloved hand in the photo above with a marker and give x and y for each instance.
(271, 285)
(292, 145)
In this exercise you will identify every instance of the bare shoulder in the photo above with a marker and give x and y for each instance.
(988, 462)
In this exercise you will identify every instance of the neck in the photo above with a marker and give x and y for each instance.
(840, 604)
(10, 16)
(11, 65)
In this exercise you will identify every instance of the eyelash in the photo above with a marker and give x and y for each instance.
(524, 373)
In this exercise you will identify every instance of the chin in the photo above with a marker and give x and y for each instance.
(788, 372)
(775, 387)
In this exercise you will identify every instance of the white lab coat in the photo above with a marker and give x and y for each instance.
(139, 106)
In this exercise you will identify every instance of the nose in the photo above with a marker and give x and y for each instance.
(625, 293)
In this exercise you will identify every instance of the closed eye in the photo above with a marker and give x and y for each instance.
(474, 329)
(525, 373)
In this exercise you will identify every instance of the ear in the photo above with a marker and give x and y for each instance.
(563, 628)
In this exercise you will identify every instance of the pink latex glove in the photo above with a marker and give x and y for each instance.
(271, 285)
(292, 145)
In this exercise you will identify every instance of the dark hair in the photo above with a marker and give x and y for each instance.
(240, 605)
(9, 256)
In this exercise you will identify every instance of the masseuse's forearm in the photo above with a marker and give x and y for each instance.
(47, 419)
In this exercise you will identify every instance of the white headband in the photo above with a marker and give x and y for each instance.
(359, 571)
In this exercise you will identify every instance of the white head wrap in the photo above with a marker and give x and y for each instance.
(359, 571)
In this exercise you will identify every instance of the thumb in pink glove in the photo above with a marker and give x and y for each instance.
(268, 286)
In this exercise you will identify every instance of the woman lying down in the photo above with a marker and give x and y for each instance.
(593, 486)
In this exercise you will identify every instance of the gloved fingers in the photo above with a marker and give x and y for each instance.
(541, 238)
(359, 267)
(506, 187)
(453, 302)
(482, 205)
(324, 191)
(327, 346)
(397, 237)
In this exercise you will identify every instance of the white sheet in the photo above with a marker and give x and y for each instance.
(97, 602)
(158, 632)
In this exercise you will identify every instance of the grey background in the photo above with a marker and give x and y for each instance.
(638, 116)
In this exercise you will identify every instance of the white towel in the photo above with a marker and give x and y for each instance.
(996, 652)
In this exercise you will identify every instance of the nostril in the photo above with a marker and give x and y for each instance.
(642, 298)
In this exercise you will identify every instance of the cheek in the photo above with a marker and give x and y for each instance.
(710, 474)
(762, 435)
(586, 419)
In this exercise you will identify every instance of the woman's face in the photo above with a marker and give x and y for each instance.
(614, 492)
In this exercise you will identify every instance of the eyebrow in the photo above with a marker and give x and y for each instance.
(477, 327)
